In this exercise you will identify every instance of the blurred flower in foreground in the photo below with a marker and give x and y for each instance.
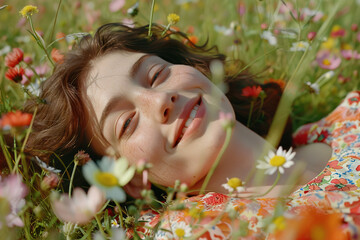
(277, 161)
(15, 74)
(81, 208)
(299, 46)
(13, 190)
(251, 91)
(28, 10)
(327, 60)
(50, 181)
(15, 119)
(312, 223)
(234, 184)
(227, 119)
(173, 18)
(106, 176)
(311, 36)
(182, 230)
(267, 35)
(14, 57)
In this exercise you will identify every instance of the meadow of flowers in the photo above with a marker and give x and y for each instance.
(310, 48)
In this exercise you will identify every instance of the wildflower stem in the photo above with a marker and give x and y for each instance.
(56, 15)
(250, 113)
(217, 160)
(76, 162)
(40, 43)
(121, 217)
(100, 226)
(24, 143)
(272, 186)
(151, 18)
(6, 152)
(166, 29)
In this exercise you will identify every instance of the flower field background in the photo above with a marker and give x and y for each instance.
(310, 48)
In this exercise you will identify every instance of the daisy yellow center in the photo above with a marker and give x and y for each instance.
(277, 161)
(180, 232)
(106, 179)
(279, 222)
(326, 62)
(234, 182)
(300, 45)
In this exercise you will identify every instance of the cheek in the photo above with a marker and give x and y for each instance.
(144, 144)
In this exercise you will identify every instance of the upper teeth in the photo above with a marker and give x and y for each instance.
(190, 119)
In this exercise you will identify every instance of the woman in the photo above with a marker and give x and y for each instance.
(151, 98)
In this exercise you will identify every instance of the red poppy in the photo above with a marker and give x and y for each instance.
(252, 91)
(15, 74)
(14, 57)
(57, 56)
(15, 119)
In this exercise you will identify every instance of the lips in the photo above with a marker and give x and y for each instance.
(185, 119)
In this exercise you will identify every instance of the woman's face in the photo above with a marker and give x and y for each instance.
(164, 113)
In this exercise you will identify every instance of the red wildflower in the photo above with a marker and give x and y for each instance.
(15, 74)
(252, 91)
(15, 119)
(57, 56)
(14, 57)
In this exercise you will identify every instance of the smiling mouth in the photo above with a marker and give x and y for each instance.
(187, 123)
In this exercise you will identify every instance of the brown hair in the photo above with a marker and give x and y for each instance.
(60, 123)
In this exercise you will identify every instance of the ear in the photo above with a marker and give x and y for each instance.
(135, 186)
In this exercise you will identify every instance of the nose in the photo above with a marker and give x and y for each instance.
(158, 104)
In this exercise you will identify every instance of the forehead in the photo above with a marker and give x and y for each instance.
(106, 73)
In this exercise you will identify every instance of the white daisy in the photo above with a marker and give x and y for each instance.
(234, 184)
(299, 46)
(181, 230)
(267, 35)
(102, 175)
(277, 161)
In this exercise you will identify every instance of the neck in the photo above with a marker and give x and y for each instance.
(239, 159)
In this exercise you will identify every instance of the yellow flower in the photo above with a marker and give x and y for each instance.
(173, 18)
(28, 10)
(328, 44)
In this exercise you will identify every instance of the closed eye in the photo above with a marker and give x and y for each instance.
(156, 75)
(127, 126)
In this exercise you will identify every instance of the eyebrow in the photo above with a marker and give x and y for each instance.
(111, 104)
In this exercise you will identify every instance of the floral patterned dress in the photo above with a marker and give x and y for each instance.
(335, 189)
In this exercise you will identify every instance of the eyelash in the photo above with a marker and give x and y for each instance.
(126, 125)
(155, 77)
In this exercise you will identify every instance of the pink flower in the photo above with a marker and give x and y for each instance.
(349, 54)
(81, 208)
(116, 5)
(13, 190)
(327, 60)
(311, 36)
(227, 119)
